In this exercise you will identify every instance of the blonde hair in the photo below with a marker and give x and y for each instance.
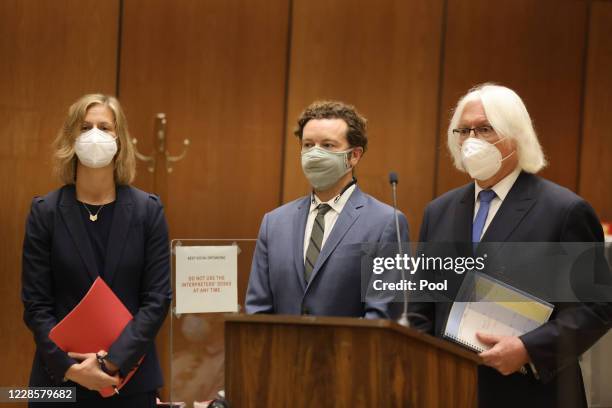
(65, 159)
(508, 115)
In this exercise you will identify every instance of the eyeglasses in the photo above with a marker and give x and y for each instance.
(483, 132)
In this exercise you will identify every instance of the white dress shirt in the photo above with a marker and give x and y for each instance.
(330, 217)
(501, 189)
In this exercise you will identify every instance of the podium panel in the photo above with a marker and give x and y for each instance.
(310, 361)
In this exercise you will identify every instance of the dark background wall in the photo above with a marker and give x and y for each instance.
(232, 76)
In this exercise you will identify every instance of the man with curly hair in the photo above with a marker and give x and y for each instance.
(307, 259)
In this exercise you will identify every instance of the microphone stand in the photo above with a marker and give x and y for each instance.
(403, 320)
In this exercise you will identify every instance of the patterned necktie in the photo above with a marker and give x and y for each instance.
(485, 197)
(316, 238)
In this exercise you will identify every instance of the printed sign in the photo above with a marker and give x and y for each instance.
(206, 279)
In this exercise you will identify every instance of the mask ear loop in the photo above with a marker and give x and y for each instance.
(349, 166)
(347, 158)
(502, 139)
(511, 153)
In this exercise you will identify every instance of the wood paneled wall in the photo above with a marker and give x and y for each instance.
(596, 149)
(233, 76)
(534, 47)
(383, 57)
(51, 53)
(224, 89)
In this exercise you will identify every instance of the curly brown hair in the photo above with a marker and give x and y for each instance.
(356, 134)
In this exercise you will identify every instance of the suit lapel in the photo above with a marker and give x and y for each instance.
(299, 227)
(118, 233)
(71, 215)
(515, 206)
(464, 213)
(345, 220)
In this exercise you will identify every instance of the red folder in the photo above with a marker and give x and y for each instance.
(93, 325)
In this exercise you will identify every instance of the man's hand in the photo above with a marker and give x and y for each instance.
(507, 354)
(88, 373)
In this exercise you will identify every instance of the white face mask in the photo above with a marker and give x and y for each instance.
(324, 168)
(95, 148)
(481, 159)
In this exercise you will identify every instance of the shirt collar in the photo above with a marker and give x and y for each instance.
(337, 206)
(502, 188)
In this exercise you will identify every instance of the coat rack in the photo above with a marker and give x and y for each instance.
(160, 132)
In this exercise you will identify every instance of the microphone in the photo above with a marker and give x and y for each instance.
(403, 320)
(393, 181)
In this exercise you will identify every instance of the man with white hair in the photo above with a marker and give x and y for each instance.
(491, 137)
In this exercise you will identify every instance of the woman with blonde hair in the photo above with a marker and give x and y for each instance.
(96, 225)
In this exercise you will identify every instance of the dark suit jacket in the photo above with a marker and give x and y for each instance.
(59, 267)
(535, 210)
(276, 283)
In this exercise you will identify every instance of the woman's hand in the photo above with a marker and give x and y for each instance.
(88, 373)
(109, 364)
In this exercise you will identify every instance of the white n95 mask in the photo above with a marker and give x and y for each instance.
(481, 159)
(95, 148)
(323, 168)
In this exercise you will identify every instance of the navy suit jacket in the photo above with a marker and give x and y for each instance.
(535, 210)
(276, 283)
(59, 267)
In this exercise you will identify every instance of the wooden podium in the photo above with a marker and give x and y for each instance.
(308, 361)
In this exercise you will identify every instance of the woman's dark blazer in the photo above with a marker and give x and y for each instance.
(59, 267)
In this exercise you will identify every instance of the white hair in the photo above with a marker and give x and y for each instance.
(508, 115)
